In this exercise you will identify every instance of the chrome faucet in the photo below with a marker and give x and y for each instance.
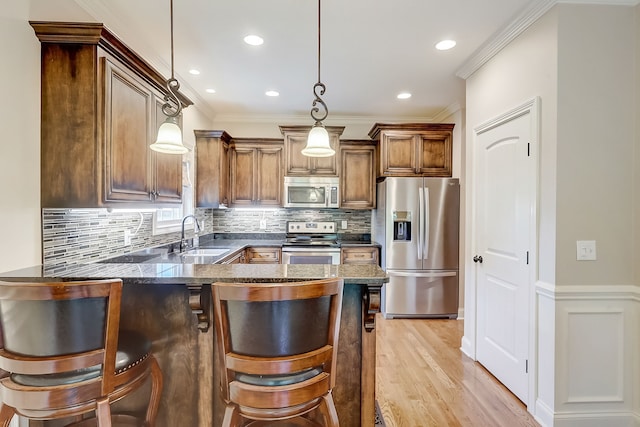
(183, 242)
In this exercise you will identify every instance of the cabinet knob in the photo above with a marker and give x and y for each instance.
(477, 258)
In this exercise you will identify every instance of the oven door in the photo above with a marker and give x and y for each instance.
(310, 255)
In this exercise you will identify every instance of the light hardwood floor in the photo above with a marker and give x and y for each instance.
(423, 379)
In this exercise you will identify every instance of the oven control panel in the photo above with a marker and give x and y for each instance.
(311, 227)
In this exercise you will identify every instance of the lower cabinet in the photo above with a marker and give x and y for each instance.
(237, 258)
(263, 255)
(360, 255)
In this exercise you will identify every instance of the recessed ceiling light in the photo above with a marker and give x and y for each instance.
(194, 71)
(272, 93)
(445, 44)
(253, 40)
(210, 90)
(404, 95)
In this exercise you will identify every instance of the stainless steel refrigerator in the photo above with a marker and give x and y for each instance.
(417, 223)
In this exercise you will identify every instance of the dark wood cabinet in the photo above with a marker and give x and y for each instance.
(256, 172)
(212, 168)
(413, 149)
(297, 164)
(100, 111)
(357, 174)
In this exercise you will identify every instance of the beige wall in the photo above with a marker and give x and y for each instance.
(20, 143)
(636, 166)
(524, 69)
(596, 113)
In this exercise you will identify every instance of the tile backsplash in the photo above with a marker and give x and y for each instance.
(89, 235)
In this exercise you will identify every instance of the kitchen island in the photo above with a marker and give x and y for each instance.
(171, 303)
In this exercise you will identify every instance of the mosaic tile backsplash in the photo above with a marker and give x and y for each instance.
(91, 235)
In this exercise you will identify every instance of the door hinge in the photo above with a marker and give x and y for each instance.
(528, 149)
(526, 366)
(527, 257)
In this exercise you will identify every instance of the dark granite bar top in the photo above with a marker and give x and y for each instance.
(199, 274)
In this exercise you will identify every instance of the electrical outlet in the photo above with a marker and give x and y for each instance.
(127, 237)
(263, 224)
(586, 250)
(344, 224)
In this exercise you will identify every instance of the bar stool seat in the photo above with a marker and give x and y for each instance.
(65, 355)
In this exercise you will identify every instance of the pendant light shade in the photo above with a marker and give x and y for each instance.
(169, 138)
(318, 143)
(170, 135)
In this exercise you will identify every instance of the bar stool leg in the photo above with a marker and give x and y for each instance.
(6, 414)
(156, 391)
(103, 412)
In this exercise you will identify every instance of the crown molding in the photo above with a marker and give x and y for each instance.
(505, 36)
(99, 12)
(524, 20)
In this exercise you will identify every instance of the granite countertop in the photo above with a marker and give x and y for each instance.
(163, 266)
(199, 274)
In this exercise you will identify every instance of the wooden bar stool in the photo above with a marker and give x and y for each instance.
(66, 355)
(278, 343)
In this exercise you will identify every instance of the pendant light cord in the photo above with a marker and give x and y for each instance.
(172, 106)
(171, 26)
(319, 88)
(319, 29)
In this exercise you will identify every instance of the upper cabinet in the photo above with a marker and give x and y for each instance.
(357, 174)
(413, 149)
(212, 168)
(297, 164)
(100, 111)
(256, 172)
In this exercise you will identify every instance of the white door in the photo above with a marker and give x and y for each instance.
(504, 215)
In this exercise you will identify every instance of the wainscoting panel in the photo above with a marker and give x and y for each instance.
(596, 369)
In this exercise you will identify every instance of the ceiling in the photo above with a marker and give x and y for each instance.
(371, 51)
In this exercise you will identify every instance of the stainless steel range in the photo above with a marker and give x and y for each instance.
(311, 242)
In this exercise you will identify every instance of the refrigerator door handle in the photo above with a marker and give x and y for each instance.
(422, 274)
(420, 221)
(425, 254)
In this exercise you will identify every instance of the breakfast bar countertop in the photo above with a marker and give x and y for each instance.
(198, 274)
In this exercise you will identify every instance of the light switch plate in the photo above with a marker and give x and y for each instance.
(586, 250)
(127, 237)
(263, 224)
(344, 225)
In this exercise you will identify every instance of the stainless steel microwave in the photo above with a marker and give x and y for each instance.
(311, 192)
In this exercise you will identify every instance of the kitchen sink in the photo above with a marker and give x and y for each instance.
(203, 252)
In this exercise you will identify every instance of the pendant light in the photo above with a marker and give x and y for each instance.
(170, 135)
(318, 140)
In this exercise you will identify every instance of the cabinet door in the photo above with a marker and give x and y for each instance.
(397, 154)
(297, 164)
(127, 129)
(434, 153)
(167, 168)
(211, 168)
(242, 169)
(357, 177)
(268, 176)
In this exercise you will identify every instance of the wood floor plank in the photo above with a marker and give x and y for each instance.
(424, 380)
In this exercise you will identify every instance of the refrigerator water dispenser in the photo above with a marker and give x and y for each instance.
(401, 226)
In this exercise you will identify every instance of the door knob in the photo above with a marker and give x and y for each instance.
(477, 258)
